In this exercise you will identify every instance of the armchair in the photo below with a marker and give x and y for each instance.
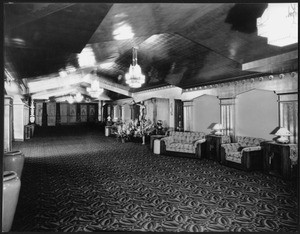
(245, 154)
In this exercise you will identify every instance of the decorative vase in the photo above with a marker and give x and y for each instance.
(11, 190)
(14, 161)
(143, 138)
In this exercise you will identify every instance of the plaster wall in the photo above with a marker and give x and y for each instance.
(206, 110)
(256, 114)
(163, 111)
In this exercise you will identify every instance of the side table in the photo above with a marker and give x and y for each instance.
(280, 159)
(213, 146)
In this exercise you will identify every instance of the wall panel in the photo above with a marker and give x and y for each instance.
(256, 114)
(206, 110)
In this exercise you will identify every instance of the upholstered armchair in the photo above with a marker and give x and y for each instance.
(245, 154)
(184, 144)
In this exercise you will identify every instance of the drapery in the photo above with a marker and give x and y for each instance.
(288, 108)
(227, 115)
(188, 116)
(51, 113)
(39, 113)
(64, 113)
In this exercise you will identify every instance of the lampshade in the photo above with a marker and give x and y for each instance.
(218, 128)
(283, 133)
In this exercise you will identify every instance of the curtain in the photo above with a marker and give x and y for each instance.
(83, 113)
(289, 118)
(38, 113)
(227, 116)
(51, 111)
(64, 113)
(188, 116)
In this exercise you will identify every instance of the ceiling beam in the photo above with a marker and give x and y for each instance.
(267, 63)
(35, 86)
(39, 10)
(109, 85)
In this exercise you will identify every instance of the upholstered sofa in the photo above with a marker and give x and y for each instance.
(183, 144)
(246, 153)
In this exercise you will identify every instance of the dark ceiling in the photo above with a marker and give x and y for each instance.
(181, 44)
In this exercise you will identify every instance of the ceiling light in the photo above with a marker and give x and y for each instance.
(62, 73)
(78, 97)
(95, 91)
(123, 32)
(279, 23)
(70, 99)
(70, 69)
(134, 78)
(86, 58)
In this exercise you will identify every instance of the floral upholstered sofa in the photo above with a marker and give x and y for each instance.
(184, 144)
(245, 154)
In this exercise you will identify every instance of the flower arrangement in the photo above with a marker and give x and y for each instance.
(143, 128)
(136, 129)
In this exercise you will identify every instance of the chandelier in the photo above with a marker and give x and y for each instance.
(95, 90)
(279, 23)
(134, 78)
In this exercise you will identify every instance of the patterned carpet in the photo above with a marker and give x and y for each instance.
(80, 180)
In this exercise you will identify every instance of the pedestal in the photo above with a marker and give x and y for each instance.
(156, 148)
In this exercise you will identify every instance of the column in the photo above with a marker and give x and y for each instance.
(115, 113)
(227, 106)
(100, 111)
(8, 123)
(131, 112)
(123, 113)
(20, 118)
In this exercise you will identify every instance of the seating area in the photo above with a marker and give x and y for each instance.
(150, 117)
(188, 143)
(245, 153)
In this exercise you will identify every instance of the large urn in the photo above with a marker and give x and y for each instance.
(11, 189)
(14, 161)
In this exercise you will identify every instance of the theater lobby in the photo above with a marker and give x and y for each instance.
(150, 117)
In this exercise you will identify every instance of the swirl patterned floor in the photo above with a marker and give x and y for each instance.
(89, 182)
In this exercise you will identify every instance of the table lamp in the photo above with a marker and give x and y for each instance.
(283, 133)
(218, 129)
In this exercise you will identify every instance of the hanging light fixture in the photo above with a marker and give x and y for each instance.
(134, 78)
(78, 97)
(95, 90)
(279, 23)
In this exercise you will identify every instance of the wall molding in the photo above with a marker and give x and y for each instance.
(244, 81)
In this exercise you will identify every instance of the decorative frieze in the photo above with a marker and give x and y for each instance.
(243, 82)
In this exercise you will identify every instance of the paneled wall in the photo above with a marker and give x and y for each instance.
(256, 114)
(249, 107)
(163, 111)
(206, 110)
(52, 113)
(20, 118)
(288, 109)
